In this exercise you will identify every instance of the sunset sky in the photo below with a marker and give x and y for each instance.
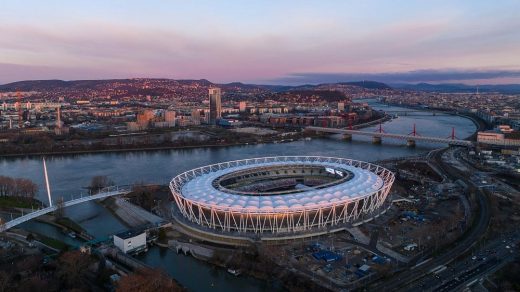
(274, 42)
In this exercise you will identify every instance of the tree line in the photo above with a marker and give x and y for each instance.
(17, 187)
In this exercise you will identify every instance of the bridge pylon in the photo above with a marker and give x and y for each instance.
(380, 129)
(411, 142)
(47, 186)
(452, 136)
(414, 131)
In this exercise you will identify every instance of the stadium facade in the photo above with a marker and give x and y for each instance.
(279, 196)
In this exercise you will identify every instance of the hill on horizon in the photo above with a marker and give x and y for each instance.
(37, 85)
(41, 85)
(460, 87)
(57, 83)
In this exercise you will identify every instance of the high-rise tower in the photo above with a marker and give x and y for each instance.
(60, 129)
(20, 111)
(242, 106)
(215, 105)
(58, 118)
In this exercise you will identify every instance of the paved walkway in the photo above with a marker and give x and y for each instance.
(359, 235)
(109, 192)
(196, 250)
(392, 253)
(364, 239)
(134, 215)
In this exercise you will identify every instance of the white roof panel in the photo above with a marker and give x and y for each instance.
(362, 183)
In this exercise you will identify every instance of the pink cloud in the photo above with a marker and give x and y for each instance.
(107, 50)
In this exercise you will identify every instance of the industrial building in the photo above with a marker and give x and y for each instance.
(131, 241)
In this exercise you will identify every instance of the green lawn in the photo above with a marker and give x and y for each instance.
(17, 202)
(52, 242)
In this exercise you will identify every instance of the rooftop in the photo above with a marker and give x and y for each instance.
(362, 183)
(130, 233)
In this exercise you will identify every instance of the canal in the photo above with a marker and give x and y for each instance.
(70, 174)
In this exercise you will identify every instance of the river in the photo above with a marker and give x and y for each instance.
(69, 174)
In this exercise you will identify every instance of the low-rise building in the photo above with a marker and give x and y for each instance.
(489, 135)
(130, 241)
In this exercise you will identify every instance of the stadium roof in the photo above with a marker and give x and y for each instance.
(363, 183)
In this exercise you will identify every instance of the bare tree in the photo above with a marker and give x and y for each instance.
(144, 196)
(148, 280)
(99, 182)
(5, 278)
(60, 208)
(73, 267)
(26, 188)
(35, 282)
(17, 187)
(4, 185)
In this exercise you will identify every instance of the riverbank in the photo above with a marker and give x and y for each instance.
(66, 225)
(252, 262)
(12, 202)
(384, 119)
(137, 148)
(131, 215)
(480, 123)
(144, 149)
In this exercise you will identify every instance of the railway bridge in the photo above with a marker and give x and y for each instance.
(410, 139)
(412, 112)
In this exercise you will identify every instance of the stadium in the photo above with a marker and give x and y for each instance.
(279, 197)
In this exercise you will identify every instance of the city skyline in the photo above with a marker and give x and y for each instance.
(472, 42)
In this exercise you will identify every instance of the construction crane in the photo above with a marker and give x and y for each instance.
(20, 113)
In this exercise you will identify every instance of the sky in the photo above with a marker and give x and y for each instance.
(269, 42)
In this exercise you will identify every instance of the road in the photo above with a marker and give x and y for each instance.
(407, 279)
(486, 260)
(458, 274)
(490, 175)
